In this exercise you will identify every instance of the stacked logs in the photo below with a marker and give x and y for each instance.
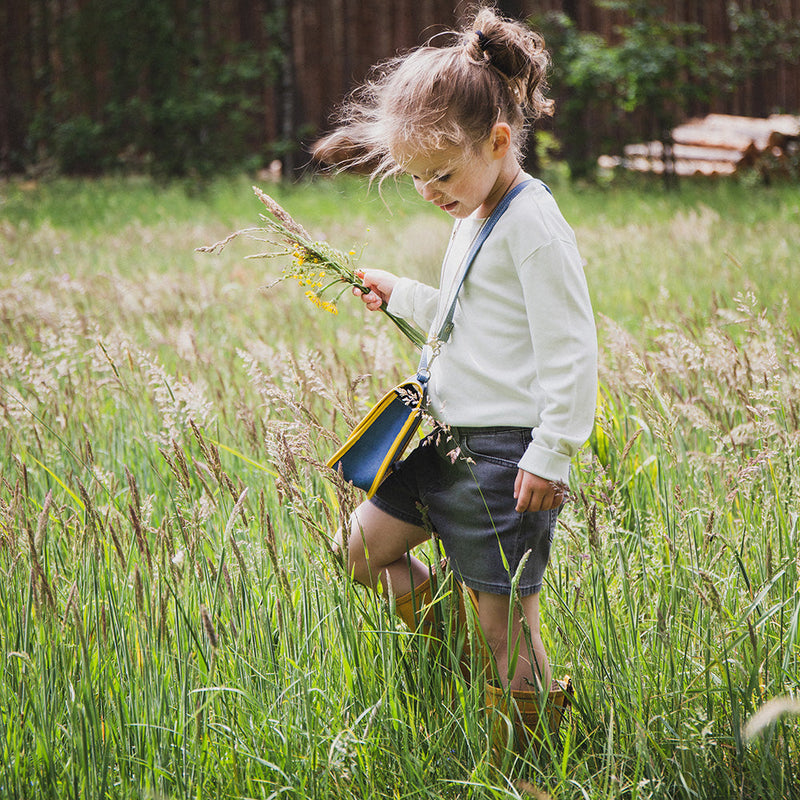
(719, 144)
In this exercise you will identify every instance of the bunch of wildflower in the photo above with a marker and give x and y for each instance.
(324, 272)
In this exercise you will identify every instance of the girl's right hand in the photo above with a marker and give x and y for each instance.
(380, 284)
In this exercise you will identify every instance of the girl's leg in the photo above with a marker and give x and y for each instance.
(378, 551)
(532, 708)
(533, 668)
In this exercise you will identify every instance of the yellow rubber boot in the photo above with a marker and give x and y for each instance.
(518, 717)
(416, 608)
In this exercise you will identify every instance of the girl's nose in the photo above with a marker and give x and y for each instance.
(425, 189)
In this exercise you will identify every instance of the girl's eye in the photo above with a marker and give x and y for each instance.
(437, 179)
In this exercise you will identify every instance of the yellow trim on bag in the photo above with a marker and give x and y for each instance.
(372, 415)
(392, 455)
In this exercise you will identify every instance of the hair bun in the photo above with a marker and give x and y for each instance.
(516, 52)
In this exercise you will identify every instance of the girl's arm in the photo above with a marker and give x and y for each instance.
(562, 328)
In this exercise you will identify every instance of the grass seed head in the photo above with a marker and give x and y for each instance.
(41, 528)
(281, 215)
(208, 627)
(769, 713)
(138, 589)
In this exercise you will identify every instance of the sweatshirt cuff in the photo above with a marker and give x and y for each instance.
(545, 463)
(401, 302)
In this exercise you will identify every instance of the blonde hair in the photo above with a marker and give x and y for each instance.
(433, 98)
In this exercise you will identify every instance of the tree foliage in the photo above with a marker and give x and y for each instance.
(148, 84)
(654, 74)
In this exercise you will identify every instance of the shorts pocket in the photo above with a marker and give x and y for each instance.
(504, 448)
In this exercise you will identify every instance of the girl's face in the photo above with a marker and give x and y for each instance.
(460, 182)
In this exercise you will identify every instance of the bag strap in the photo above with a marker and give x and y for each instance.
(499, 210)
(447, 323)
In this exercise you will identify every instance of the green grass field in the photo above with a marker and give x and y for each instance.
(172, 621)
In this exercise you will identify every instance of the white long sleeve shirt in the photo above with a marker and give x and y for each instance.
(523, 351)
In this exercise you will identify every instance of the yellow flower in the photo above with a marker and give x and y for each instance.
(325, 305)
(299, 256)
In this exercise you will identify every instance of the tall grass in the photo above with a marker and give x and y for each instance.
(173, 622)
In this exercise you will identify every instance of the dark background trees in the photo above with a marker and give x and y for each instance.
(179, 87)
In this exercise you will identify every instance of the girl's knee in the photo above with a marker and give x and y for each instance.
(498, 614)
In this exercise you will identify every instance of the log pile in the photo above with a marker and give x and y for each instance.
(719, 144)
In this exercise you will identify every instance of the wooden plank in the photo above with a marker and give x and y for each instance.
(736, 132)
(680, 151)
(683, 167)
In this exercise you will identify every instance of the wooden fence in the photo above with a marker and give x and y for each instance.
(336, 41)
(319, 50)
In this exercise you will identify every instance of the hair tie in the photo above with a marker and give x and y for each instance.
(483, 40)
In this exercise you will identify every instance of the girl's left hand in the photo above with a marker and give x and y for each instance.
(533, 493)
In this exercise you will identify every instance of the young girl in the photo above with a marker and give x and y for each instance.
(514, 386)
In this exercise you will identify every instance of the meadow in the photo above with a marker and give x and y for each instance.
(173, 622)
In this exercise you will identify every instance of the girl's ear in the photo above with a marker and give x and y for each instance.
(501, 139)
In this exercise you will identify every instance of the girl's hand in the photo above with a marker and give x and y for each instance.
(380, 284)
(533, 493)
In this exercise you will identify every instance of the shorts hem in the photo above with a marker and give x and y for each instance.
(393, 512)
(501, 589)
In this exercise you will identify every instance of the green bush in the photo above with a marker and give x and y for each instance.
(147, 85)
(78, 145)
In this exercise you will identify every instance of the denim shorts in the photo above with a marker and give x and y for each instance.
(459, 483)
